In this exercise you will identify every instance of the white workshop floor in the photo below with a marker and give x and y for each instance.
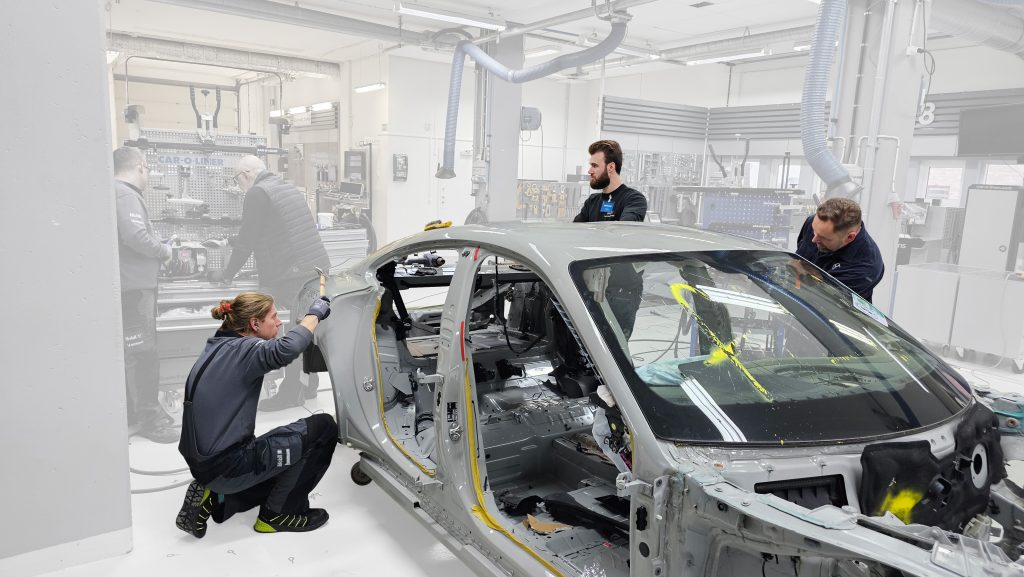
(368, 534)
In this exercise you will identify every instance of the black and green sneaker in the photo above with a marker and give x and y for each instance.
(196, 509)
(271, 522)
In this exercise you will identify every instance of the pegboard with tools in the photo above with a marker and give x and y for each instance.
(755, 213)
(549, 200)
(191, 192)
(661, 169)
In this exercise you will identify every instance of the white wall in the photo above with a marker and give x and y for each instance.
(65, 464)
(409, 118)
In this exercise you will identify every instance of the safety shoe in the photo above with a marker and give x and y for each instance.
(270, 522)
(196, 509)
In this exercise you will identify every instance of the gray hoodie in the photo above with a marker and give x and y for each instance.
(139, 250)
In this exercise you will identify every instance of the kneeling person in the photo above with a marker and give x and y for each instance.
(234, 470)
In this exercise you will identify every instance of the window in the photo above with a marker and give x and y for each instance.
(753, 171)
(942, 183)
(1002, 172)
(792, 180)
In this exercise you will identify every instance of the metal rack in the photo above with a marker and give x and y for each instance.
(191, 192)
(754, 213)
(549, 200)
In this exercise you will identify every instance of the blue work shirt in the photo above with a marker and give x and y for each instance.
(857, 265)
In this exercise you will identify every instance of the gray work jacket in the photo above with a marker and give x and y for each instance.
(139, 251)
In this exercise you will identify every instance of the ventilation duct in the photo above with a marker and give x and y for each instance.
(994, 27)
(466, 48)
(813, 127)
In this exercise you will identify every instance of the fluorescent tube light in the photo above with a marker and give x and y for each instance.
(637, 52)
(276, 114)
(801, 47)
(369, 87)
(729, 58)
(298, 109)
(321, 106)
(541, 51)
(446, 16)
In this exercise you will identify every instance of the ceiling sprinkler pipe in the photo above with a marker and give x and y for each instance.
(813, 127)
(466, 48)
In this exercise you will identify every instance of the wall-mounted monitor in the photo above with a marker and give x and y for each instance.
(992, 131)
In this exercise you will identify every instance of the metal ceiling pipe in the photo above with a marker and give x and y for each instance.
(287, 14)
(574, 16)
(997, 28)
(719, 47)
(465, 48)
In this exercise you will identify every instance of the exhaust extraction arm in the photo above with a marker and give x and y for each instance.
(466, 48)
(813, 127)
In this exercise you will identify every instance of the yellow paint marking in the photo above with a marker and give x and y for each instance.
(900, 503)
(727, 350)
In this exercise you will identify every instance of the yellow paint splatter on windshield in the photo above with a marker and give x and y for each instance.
(723, 350)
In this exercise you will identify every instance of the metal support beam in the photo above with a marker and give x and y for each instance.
(149, 47)
(574, 16)
(496, 135)
(288, 14)
(182, 83)
(878, 99)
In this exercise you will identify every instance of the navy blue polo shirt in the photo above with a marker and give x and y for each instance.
(857, 265)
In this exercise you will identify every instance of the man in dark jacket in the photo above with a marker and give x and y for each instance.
(616, 201)
(835, 240)
(279, 231)
(140, 253)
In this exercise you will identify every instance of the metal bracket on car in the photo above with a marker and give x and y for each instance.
(424, 379)
(455, 432)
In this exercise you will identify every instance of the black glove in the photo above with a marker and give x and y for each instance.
(321, 308)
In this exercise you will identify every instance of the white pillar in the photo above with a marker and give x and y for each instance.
(62, 420)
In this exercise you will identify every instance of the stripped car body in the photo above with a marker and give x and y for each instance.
(788, 428)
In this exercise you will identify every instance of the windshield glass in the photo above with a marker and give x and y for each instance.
(760, 347)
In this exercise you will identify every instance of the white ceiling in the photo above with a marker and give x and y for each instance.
(660, 25)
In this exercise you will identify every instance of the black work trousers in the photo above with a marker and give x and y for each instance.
(141, 357)
(278, 469)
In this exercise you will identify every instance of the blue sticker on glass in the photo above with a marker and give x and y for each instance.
(607, 207)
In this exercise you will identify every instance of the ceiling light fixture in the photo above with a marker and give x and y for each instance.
(321, 106)
(801, 47)
(541, 51)
(729, 58)
(276, 114)
(369, 87)
(446, 16)
(298, 109)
